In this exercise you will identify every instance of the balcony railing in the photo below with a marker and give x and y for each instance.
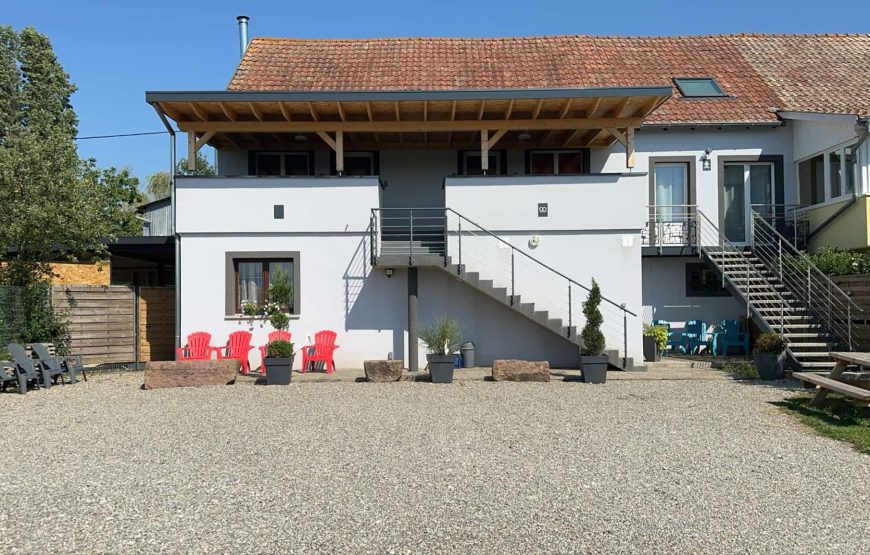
(671, 225)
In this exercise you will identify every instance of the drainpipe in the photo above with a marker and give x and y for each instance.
(176, 238)
(243, 33)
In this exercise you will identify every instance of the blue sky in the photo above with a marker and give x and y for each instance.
(115, 51)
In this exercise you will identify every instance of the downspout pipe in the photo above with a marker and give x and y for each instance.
(176, 238)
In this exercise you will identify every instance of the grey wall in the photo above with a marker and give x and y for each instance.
(159, 220)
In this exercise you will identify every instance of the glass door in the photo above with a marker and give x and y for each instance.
(671, 197)
(747, 187)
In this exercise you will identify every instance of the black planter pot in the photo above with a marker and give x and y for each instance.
(594, 368)
(279, 371)
(769, 365)
(651, 351)
(441, 368)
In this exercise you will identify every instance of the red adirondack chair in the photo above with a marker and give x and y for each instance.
(238, 346)
(198, 347)
(324, 347)
(277, 335)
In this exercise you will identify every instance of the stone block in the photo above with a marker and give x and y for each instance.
(383, 370)
(520, 371)
(190, 373)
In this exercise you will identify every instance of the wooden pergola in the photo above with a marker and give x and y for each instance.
(374, 120)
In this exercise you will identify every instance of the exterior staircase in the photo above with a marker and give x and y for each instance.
(431, 245)
(783, 291)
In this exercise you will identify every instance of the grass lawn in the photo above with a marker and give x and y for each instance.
(836, 419)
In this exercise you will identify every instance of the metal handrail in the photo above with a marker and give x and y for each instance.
(654, 230)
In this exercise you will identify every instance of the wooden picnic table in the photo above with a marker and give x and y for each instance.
(834, 380)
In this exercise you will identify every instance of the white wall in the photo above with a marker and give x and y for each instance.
(812, 137)
(245, 204)
(664, 295)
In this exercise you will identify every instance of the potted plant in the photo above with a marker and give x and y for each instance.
(593, 363)
(768, 351)
(655, 340)
(279, 362)
(441, 338)
(279, 354)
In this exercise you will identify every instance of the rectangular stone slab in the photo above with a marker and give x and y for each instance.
(190, 373)
(383, 370)
(520, 371)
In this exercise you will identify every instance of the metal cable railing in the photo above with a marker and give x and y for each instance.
(670, 225)
(828, 303)
(413, 232)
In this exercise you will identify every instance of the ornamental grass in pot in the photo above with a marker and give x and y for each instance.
(441, 339)
(655, 341)
(593, 361)
(769, 355)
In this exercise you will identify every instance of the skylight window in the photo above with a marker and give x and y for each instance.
(699, 87)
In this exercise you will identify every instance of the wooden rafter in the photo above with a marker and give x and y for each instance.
(197, 112)
(337, 145)
(285, 112)
(169, 111)
(229, 139)
(340, 111)
(398, 113)
(510, 109)
(369, 111)
(195, 143)
(256, 111)
(537, 111)
(482, 109)
(452, 118)
(566, 108)
(227, 112)
(313, 112)
(593, 108)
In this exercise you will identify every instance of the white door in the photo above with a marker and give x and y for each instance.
(747, 187)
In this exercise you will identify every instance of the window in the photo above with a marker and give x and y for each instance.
(277, 163)
(851, 169)
(671, 191)
(811, 175)
(828, 175)
(701, 281)
(698, 87)
(836, 178)
(249, 278)
(358, 163)
(469, 163)
(556, 162)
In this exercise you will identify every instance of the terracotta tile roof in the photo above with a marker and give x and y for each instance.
(758, 72)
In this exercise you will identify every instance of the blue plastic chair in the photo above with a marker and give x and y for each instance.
(730, 336)
(675, 339)
(696, 337)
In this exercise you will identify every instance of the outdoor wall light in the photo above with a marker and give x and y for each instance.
(706, 165)
(524, 136)
(300, 138)
(389, 272)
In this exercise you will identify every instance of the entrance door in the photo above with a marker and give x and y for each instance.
(747, 187)
(671, 196)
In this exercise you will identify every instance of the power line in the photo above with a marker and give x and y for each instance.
(122, 135)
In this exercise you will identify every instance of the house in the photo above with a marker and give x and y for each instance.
(397, 180)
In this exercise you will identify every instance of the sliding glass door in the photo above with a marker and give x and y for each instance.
(746, 187)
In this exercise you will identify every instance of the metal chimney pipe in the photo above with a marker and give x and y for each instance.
(243, 33)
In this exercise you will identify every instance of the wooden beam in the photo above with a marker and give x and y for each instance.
(256, 111)
(590, 113)
(191, 151)
(340, 111)
(339, 153)
(197, 112)
(369, 111)
(482, 109)
(495, 138)
(229, 139)
(313, 112)
(284, 111)
(328, 140)
(398, 114)
(537, 111)
(407, 126)
(452, 118)
(227, 112)
(171, 112)
(510, 109)
(484, 150)
(617, 135)
(629, 148)
(564, 111)
(202, 141)
(617, 111)
(571, 137)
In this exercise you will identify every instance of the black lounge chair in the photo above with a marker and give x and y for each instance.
(25, 369)
(56, 366)
(7, 378)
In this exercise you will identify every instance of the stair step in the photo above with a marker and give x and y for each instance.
(798, 335)
(817, 364)
(811, 354)
(811, 345)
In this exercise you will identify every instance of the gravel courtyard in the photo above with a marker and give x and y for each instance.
(632, 466)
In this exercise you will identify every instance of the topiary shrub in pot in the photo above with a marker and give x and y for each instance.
(279, 362)
(655, 340)
(768, 354)
(593, 363)
(441, 339)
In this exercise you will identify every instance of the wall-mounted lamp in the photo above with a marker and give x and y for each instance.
(389, 272)
(706, 164)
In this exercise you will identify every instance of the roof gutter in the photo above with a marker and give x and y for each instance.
(175, 236)
(714, 125)
(153, 97)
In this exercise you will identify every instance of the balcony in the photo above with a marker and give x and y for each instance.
(671, 230)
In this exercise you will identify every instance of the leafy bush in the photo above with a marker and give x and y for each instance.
(279, 349)
(593, 339)
(838, 262)
(770, 343)
(442, 336)
(659, 332)
(742, 368)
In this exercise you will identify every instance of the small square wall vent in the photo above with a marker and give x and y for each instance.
(279, 211)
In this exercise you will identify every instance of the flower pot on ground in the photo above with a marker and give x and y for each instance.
(655, 340)
(593, 362)
(441, 339)
(768, 355)
(279, 362)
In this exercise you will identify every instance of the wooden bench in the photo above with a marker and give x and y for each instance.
(834, 380)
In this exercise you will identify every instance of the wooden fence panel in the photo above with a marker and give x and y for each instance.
(156, 323)
(101, 320)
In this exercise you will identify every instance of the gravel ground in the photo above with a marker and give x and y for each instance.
(631, 466)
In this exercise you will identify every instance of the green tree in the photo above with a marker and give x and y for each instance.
(159, 185)
(593, 339)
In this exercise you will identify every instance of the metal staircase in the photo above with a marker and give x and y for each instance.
(443, 239)
(782, 290)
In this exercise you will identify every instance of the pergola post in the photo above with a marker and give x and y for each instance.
(336, 145)
(193, 146)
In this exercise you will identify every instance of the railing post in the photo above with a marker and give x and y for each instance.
(780, 260)
(722, 255)
(830, 304)
(570, 314)
(809, 286)
(624, 337)
(459, 266)
(512, 275)
(849, 323)
(411, 238)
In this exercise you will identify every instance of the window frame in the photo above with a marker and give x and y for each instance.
(844, 168)
(500, 168)
(677, 82)
(253, 161)
(373, 155)
(692, 267)
(584, 159)
(232, 297)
